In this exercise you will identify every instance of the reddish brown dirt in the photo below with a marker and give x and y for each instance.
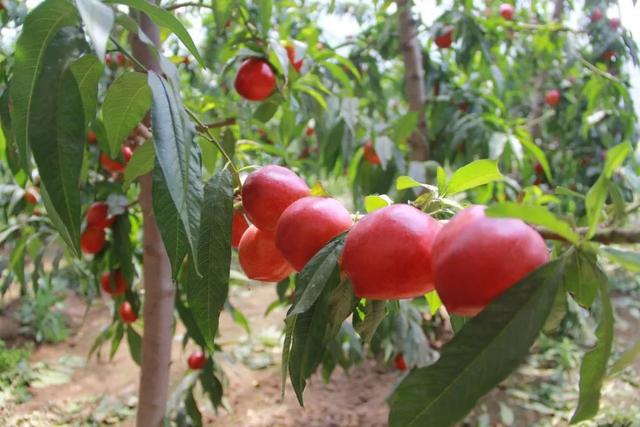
(104, 391)
(252, 396)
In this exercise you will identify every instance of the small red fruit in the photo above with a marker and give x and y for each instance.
(401, 365)
(98, 216)
(255, 80)
(121, 60)
(387, 254)
(119, 285)
(186, 60)
(259, 258)
(614, 23)
(92, 240)
(238, 226)
(196, 360)
(110, 165)
(596, 15)
(445, 38)
(476, 258)
(552, 97)
(307, 226)
(92, 138)
(291, 54)
(507, 11)
(608, 55)
(127, 153)
(127, 314)
(107, 59)
(31, 195)
(310, 131)
(370, 154)
(538, 168)
(464, 106)
(268, 191)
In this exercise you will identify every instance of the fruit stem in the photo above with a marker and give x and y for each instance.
(209, 137)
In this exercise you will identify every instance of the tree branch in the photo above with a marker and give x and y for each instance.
(187, 4)
(605, 236)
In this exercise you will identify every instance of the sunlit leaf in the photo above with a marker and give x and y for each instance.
(473, 175)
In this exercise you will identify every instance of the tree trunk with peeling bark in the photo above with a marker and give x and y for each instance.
(159, 289)
(414, 79)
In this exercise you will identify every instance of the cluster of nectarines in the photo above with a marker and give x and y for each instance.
(392, 253)
(93, 238)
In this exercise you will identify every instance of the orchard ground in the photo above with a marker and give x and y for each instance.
(66, 388)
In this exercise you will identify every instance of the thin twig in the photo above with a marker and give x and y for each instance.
(598, 71)
(209, 137)
(227, 122)
(188, 4)
(605, 235)
(127, 54)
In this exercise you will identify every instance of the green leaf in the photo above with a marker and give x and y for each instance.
(167, 20)
(475, 174)
(191, 407)
(211, 384)
(594, 363)
(533, 214)
(558, 311)
(122, 248)
(87, 71)
(187, 319)
(265, 111)
(116, 340)
(615, 158)
(264, 12)
(178, 159)
(487, 349)
(625, 360)
(374, 313)
(433, 299)
(141, 163)
(221, 12)
(39, 28)
(314, 328)
(289, 326)
(594, 203)
(373, 203)
(207, 293)
(127, 102)
(404, 182)
(627, 259)
(404, 126)
(315, 275)
(135, 345)
(98, 20)
(582, 277)
(525, 139)
(169, 222)
(57, 133)
(597, 194)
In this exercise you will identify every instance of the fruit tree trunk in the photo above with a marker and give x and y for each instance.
(158, 287)
(414, 79)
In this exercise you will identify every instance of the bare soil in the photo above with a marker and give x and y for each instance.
(99, 391)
